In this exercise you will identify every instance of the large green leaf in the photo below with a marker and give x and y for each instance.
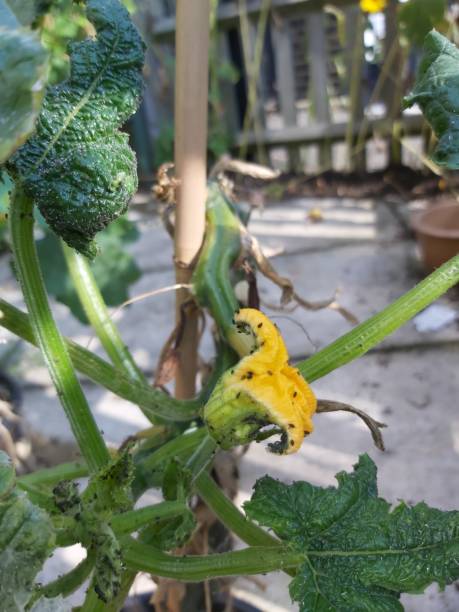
(78, 167)
(359, 554)
(418, 17)
(437, 93)
(114, 269)
(26, 540)
(23, 66)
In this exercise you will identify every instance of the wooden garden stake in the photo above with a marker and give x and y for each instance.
(191, 100)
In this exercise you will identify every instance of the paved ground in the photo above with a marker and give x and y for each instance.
(410, 382)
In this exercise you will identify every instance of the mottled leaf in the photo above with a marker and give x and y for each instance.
(23, 66)
(359, 554)
(7, 475)
(109, 563)
(109, 490)
(78, 167)
(437, 93)
(26, 540)
(171, 533)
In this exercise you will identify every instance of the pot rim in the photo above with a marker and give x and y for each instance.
(421, 226)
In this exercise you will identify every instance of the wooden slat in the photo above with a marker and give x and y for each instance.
(354, 69)
(228, 14)
(285, 79)
(259, 110)
(227, 89)
(318, 71)
(333, 132)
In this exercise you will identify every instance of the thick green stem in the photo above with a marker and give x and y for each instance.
(148, 468)
(37, 496)
(94, 306)
(92, 603)
(256, 560)
(130, 521)
(153, 402)
(202, 456)
(117, 603)
(48, 337)
(68, 583)
(231, 516)
(52, 475)
(366, 335)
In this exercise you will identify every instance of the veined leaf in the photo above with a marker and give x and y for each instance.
(173, 532)
(437, 93)
(78, 167)
(23, 66)
(109, 490)
(26, 539)
(359, 554)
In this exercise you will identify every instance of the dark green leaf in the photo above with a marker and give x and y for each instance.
(437, 93)
(418, 17)
(7, 475)
(359, 555)
(171, 533)
(176, 481)
(114, 269)
(26, 540)
(23, 66)
(109, 564)
(78, 167)
(109, 491)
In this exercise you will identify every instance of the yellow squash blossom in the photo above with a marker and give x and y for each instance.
(262, 389)
(372, 6)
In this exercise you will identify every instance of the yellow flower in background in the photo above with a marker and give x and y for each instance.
(372, 6)
(262, 389)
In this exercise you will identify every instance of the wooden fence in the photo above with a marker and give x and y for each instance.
(304, 83)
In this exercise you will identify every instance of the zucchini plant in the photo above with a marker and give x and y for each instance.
(344, 547)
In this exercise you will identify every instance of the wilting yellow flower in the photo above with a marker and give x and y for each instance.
(262, 389)
(372, 6)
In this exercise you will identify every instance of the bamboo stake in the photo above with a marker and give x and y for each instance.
(191, 100)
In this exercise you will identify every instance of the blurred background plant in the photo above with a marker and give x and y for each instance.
(305, 90)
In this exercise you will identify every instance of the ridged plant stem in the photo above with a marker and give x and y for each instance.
(371, 332)
(254, 560)
(153, 402)
(231, 516)
(96, 310)
(49, 339)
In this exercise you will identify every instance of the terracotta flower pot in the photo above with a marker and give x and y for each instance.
(437, 231)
